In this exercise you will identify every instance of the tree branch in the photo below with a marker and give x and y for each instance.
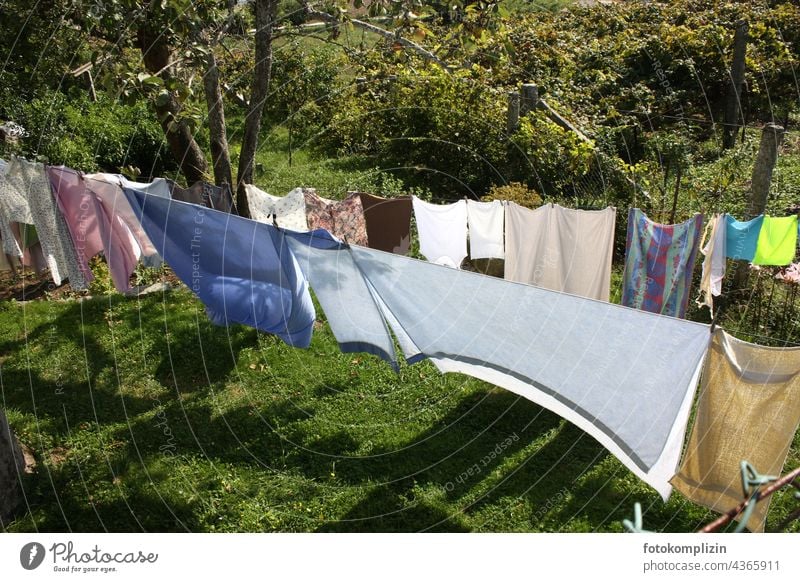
(382, 32)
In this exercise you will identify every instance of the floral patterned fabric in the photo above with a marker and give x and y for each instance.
(343, 219)
(287, 212)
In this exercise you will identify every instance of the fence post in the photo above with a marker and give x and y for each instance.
(530, 99)
(771, 140)
(512, 118)
(734, 116)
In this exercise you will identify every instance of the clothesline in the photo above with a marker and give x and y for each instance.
(625, 376)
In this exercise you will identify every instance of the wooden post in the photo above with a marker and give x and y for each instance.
(512, 119)
(771, 140)
(530, 99)
(733, 117)
(12, 465)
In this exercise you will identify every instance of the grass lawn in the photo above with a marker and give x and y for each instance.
(144, 416)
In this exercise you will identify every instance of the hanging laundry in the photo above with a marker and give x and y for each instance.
(3, 166)
(442, 230)
(777, 241)
(242, 270)
(93, 230)
(659, 260)
(626, 377)
(561, 249)
(205, 194)
(388, 222)
(14, 208)
(30, 182)
(32, 255)
(741, 238)
(714, 262)
(343, 293)
(748, 410)
(343, 219)
(161, 187)
(486, 237)
(289, 211)
(113, 202)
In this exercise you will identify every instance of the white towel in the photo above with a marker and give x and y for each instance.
(486, 229)
(560, 248)
(714, 263)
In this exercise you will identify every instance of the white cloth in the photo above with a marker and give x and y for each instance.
(626, 377)
(560, 248)
(486, 229)
(714, 262)
(160, 187)
(289, 210)
(442, 230)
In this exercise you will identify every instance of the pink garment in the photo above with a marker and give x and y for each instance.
(92, 228)
(109, 195)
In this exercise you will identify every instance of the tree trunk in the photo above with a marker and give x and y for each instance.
(12, 465)
(265, 18)
(771, 141)
(184, 148)
(220, 154)
(733, 102)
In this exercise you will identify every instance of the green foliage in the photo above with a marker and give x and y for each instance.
(104, 135)
(514, 192)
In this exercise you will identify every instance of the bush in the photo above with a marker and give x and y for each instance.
(89, 136)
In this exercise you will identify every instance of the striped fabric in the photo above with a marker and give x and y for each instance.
(659, 260)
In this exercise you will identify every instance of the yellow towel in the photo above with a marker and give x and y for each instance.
(748, 409)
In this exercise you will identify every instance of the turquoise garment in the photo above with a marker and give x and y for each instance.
(741, 238)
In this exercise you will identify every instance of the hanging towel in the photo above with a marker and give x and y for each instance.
(714, 262)
(485, 220)
(289, 211)
(742, 237)
(388, 222)
(343, 219)
(659, 260)
(92, 229)
(777, 241)
(748, 410)
(624, 376)
(205, 194)
(561, 249)
(442, 230)
(241, 270)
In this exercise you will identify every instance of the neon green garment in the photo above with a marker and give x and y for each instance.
(776, 241)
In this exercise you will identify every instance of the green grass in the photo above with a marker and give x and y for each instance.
(144, 416)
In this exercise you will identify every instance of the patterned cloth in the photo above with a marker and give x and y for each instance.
(14, 207)
(659, 260)
(288, 211)
(344, 219)
(28, 190)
